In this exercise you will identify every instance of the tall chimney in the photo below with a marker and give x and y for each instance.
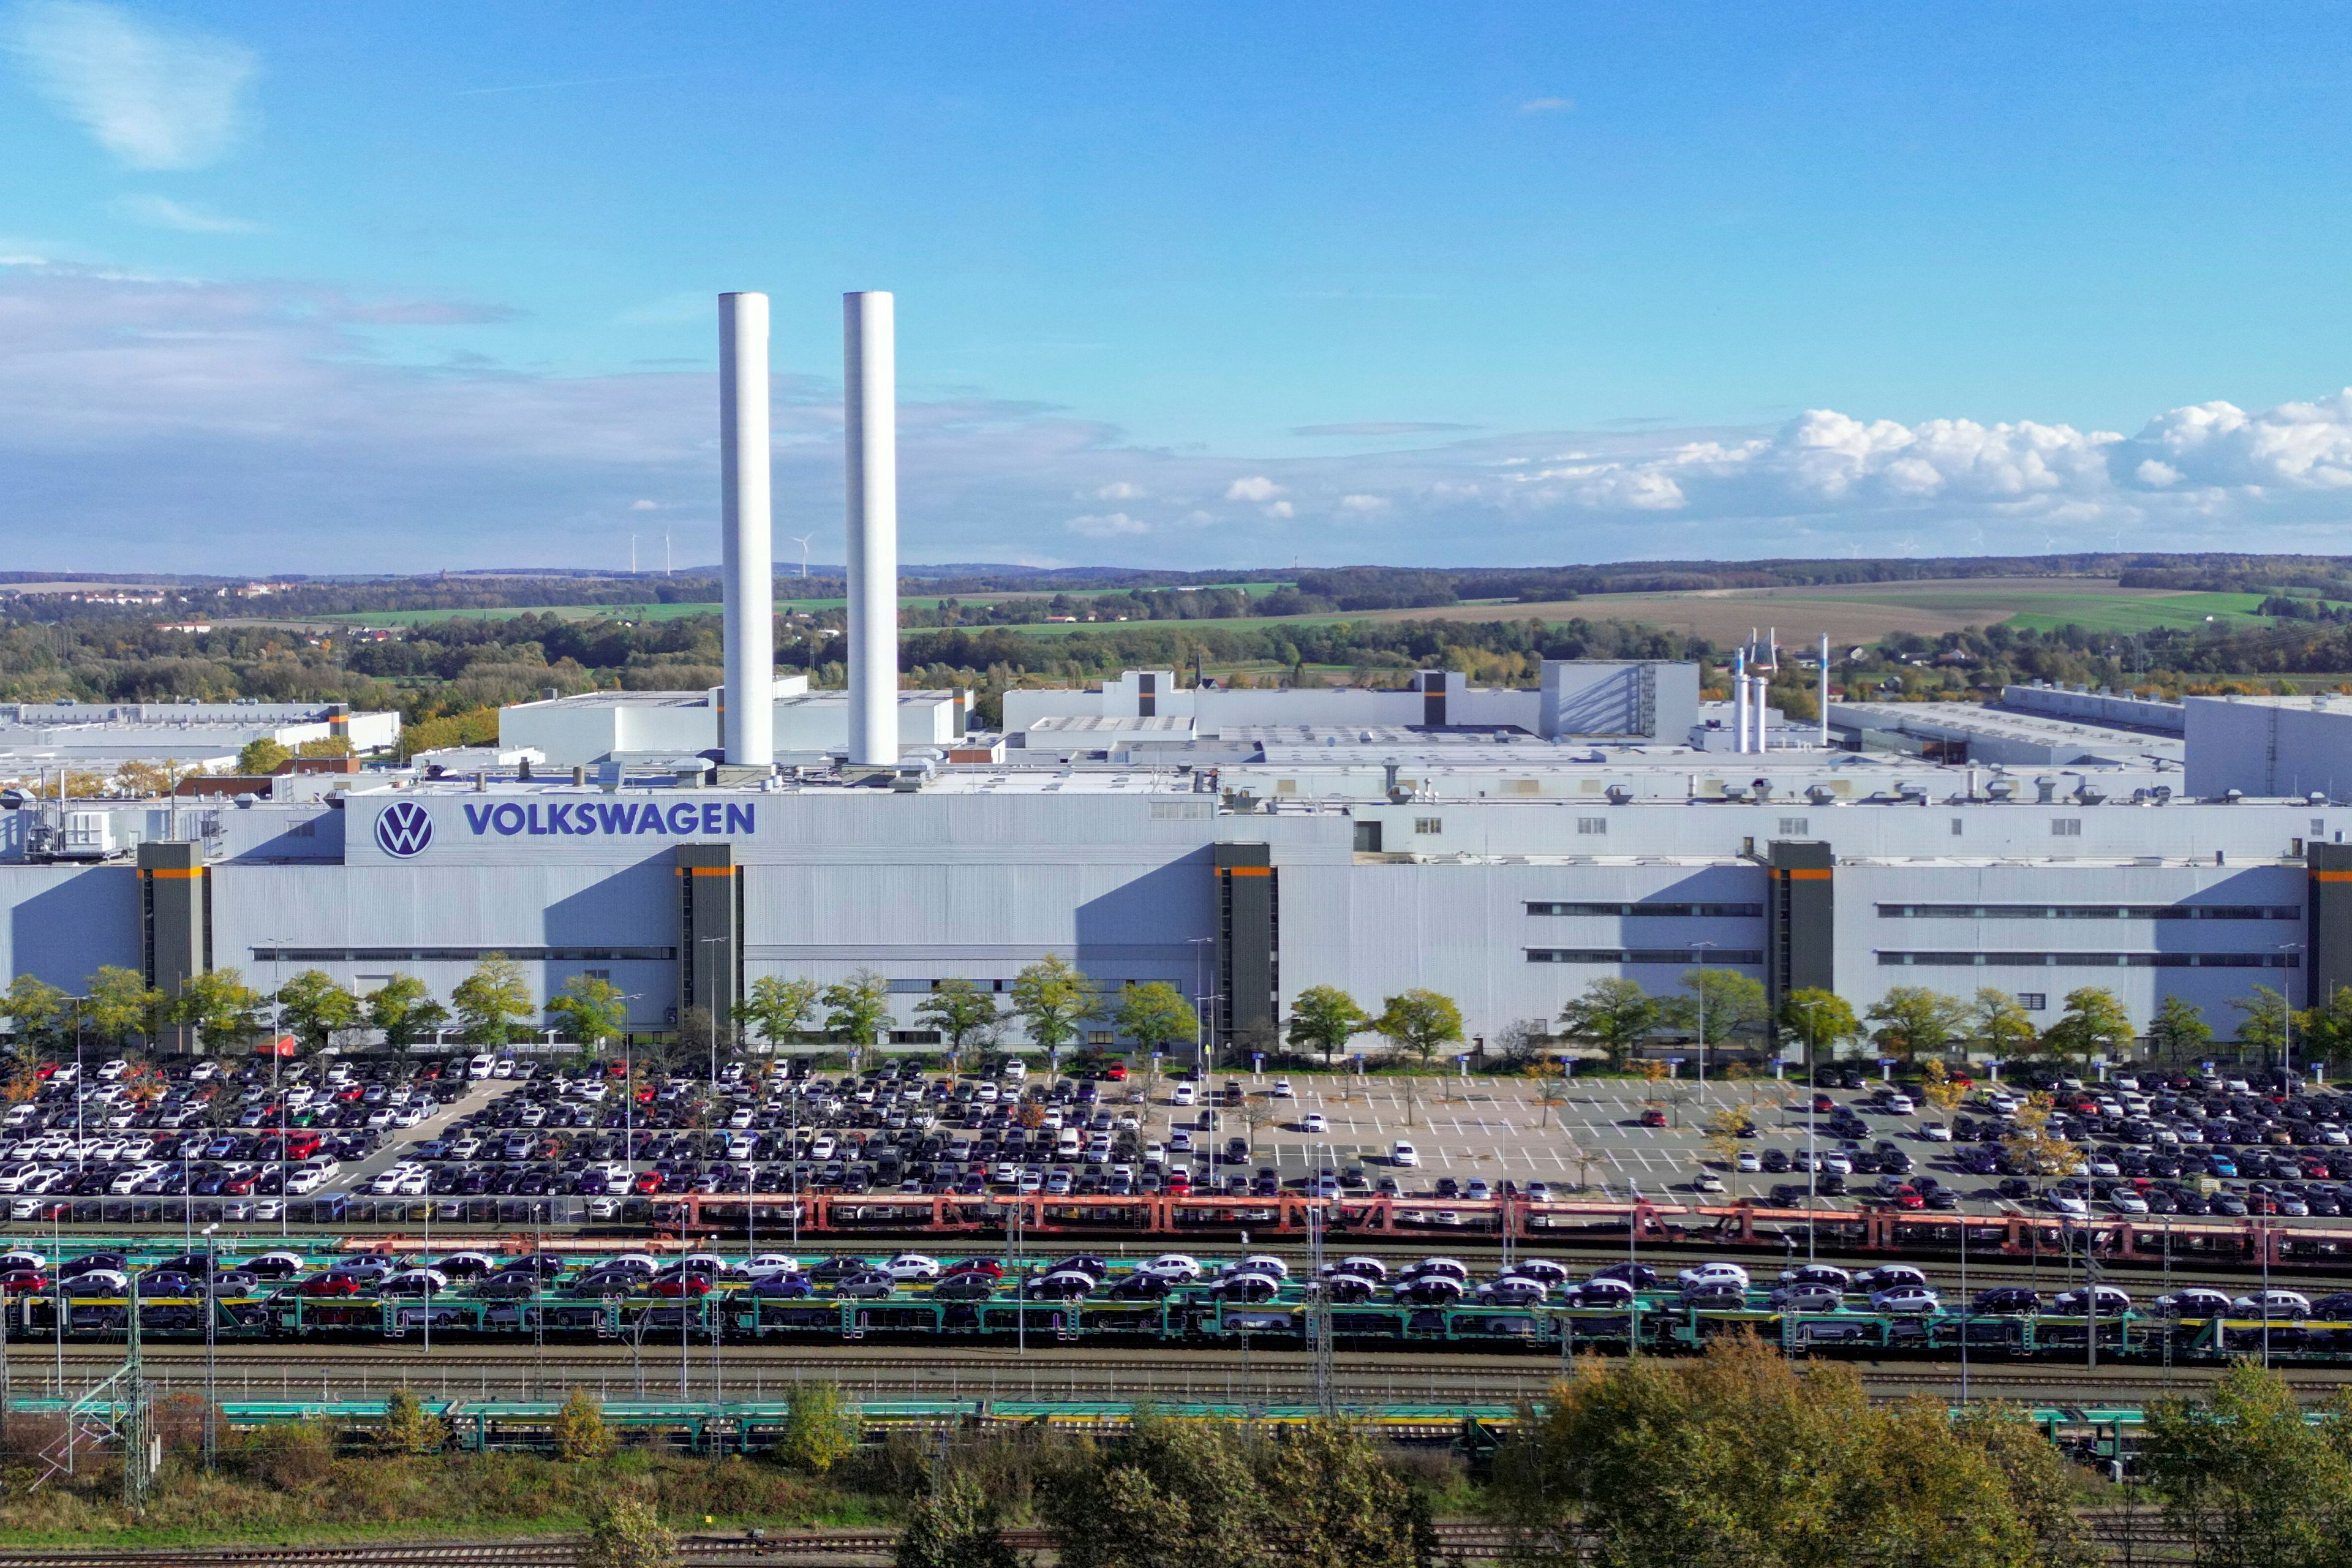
(870, 383)
(747, 723)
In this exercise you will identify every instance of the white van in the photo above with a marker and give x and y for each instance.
(482, 1066)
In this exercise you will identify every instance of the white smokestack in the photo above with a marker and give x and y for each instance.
(870, 382)
(1739, 701)
(1825, 689)
(749, 728)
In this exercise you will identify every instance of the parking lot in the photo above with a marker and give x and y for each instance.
(237, 1141)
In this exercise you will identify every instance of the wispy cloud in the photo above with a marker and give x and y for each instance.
(560, 85)
(1547, 106)
(154, 98)
(162, 211)
(1374, 427)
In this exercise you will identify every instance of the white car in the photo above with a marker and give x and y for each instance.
(1362, 1266)
(1182, 1095)
(2288, 1304)
(1906, 1299)
(2126, 1200)
(1282, 1090)
(1260, 1263)
(1935, 1131)
(2067, 1203)
(1404, 1154)
(1706, 1181)
(1747, 1162)
(480, 1066)
(1175, 1266)
(1705, 1276)
(1899, 1104)
(1313, 1121)
(912, 1266)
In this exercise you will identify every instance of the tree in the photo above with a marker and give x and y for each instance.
(313, 1008)
(2324, 1033)
(404, 1011)
(580, 1432)
(953, 1525)
(222, 1008)
(2094, 1023)
(261, 757)
(2178, 1031)
(1324, 1018)
(35, 1011)
(1915, 1022)
(1551, 1086)
(625, 1531)
(1419, 1021)
(1935, 1086)
(777, 1009)
(2247, 1479)
(1155, 1014)
(820, 1430)
(143, 780)
(2031, 1145)
(1733, 1004)
(1615, 1014)
(1050, 996)
(493, 1004)
(1332, 1503)
(961, 1012)
(120, 1006)
(1999, 1027)
(1820, 1019)
(1172, 1495)
(2265, 1021)
(408, 1428)
(857, 1009)
(1737, 1457)
(1727, 1125)
(591, 1008)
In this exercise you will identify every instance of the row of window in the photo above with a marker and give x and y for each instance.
(2090, 911)
(1649, 908)
(2091, 960)
(1711, 956)
(455, 954)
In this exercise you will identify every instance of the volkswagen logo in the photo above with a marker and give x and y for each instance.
(404, 828)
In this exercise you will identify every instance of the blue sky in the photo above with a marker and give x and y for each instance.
(288, 287)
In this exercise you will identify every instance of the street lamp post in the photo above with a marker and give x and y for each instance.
(212, 1403)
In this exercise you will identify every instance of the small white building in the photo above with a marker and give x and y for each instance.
(575, 732)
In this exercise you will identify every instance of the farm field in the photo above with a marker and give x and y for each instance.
(656, 612)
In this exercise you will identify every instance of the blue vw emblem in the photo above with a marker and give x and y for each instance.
(403, 830)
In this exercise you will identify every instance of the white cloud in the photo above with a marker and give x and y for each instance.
(162, 211)
(1363, 505)
(1547, 106)
(645, 506)
(1256, 487)
(1117, 490)
(1281, 508)
(154, 98)
(1108, 525)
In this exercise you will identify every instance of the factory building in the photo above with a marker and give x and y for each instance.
(99, 737)
(1504, 847)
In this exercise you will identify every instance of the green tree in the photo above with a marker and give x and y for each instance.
(1172, 1495)
(121, 1007)
(820, 1429)
(406, 1012)
(1734, 1004)
(1154, 1014)
(2178, 1031)
(953, 1525)
(493, 1004)
(776, 1008)
(1419, 1021)
(1051, 997)
(408, 1427)
(1615, 1014)
(2094, 1022)
(962, 1013)
(35, 1011)
(592, 1009)
(1324, 1018)
(313, 1008)
(1999, 1027)
(1820, 1019)
(2265, 1021)
(222, 1008)
(2247, 1479)
(857, 1008)
(1914, 1023)
(1332, 1503)
(1737, 1458)
(580, 1432)
(262, 757)
(625, 1531)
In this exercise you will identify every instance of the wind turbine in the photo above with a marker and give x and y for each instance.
(803, 540)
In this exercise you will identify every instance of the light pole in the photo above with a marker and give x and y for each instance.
(1812, 1117)
(2286, 1015)
(1202, 997)
(710, 1006)
(276, 1058)
(212, 1403)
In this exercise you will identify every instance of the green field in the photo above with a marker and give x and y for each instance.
(654, 612)
(2119, 613)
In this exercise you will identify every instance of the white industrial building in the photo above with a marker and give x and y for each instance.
(100, 737)
(1504, 847)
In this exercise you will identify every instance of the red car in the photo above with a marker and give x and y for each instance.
(1114, 1072)
(1907, 1198)
(985, 1266)
(329, 1285)
(647, 1182)
(1653, 1117)
(680, 1285)
(21, 1282)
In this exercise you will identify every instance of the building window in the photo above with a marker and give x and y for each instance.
(2319, 828)
(604, 974)
(1795, 826)
(2034, 1001)
(1680, 955)
(2066, 827)
(2090, 911)
(2091, 960)
(1656, 909)
(1429, 825)
(1958, 828)
(1592, 825)
(1101, 1037)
